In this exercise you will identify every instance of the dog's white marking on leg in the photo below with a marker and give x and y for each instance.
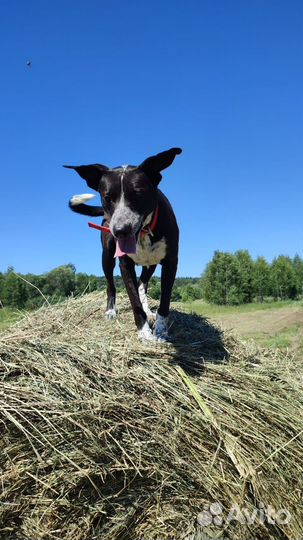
(161, 329)
(81, 199)
(111, 314)
(145, 334)
(144, 301)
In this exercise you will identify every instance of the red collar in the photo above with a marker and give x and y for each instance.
(148, 229)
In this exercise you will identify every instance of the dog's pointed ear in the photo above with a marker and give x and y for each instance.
(91, 173)
(154, 164)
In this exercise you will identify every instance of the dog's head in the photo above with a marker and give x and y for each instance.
(128, 193)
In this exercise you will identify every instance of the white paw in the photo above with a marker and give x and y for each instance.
(151, 316)
(145, 334)
(161, 329)
(110, 314)
(81, 199)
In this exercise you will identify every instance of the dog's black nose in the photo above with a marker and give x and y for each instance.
(122, 232)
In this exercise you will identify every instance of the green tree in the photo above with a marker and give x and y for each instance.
(81, 283)
(298, 268)
(60, 282)
(34, 286)
(261, 279)
(85, 283)
(283, 278)
(154, 289)
(244, 292)
(190, 292)
(2, 281)
(14, 292)
(176, 294)
(221, 280)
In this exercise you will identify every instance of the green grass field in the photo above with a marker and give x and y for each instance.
(203, 308)
(271, 324)
(8, 316)
(280, 340)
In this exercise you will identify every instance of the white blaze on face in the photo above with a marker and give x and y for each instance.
(123, 215)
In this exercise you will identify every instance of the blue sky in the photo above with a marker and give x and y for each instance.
(115, 81)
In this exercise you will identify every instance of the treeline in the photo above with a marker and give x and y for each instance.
(237, 279)
(30, 291)
(228, 279)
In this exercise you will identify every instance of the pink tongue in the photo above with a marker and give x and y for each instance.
(125, 245)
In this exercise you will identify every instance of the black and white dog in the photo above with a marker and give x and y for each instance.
(139, 227)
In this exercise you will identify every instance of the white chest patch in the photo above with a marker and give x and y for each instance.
(147, 253)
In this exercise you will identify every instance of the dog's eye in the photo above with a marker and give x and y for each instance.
(106, 198)
(139, 192)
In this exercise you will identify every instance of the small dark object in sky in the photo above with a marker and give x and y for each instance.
(29, 63)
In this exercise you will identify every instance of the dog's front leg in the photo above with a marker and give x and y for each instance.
(108, 265)
(127, 267)
(168, 274)
(147, 272)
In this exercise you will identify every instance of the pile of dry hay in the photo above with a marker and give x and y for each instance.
(104, 438)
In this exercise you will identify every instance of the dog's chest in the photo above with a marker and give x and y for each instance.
(147, 253)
